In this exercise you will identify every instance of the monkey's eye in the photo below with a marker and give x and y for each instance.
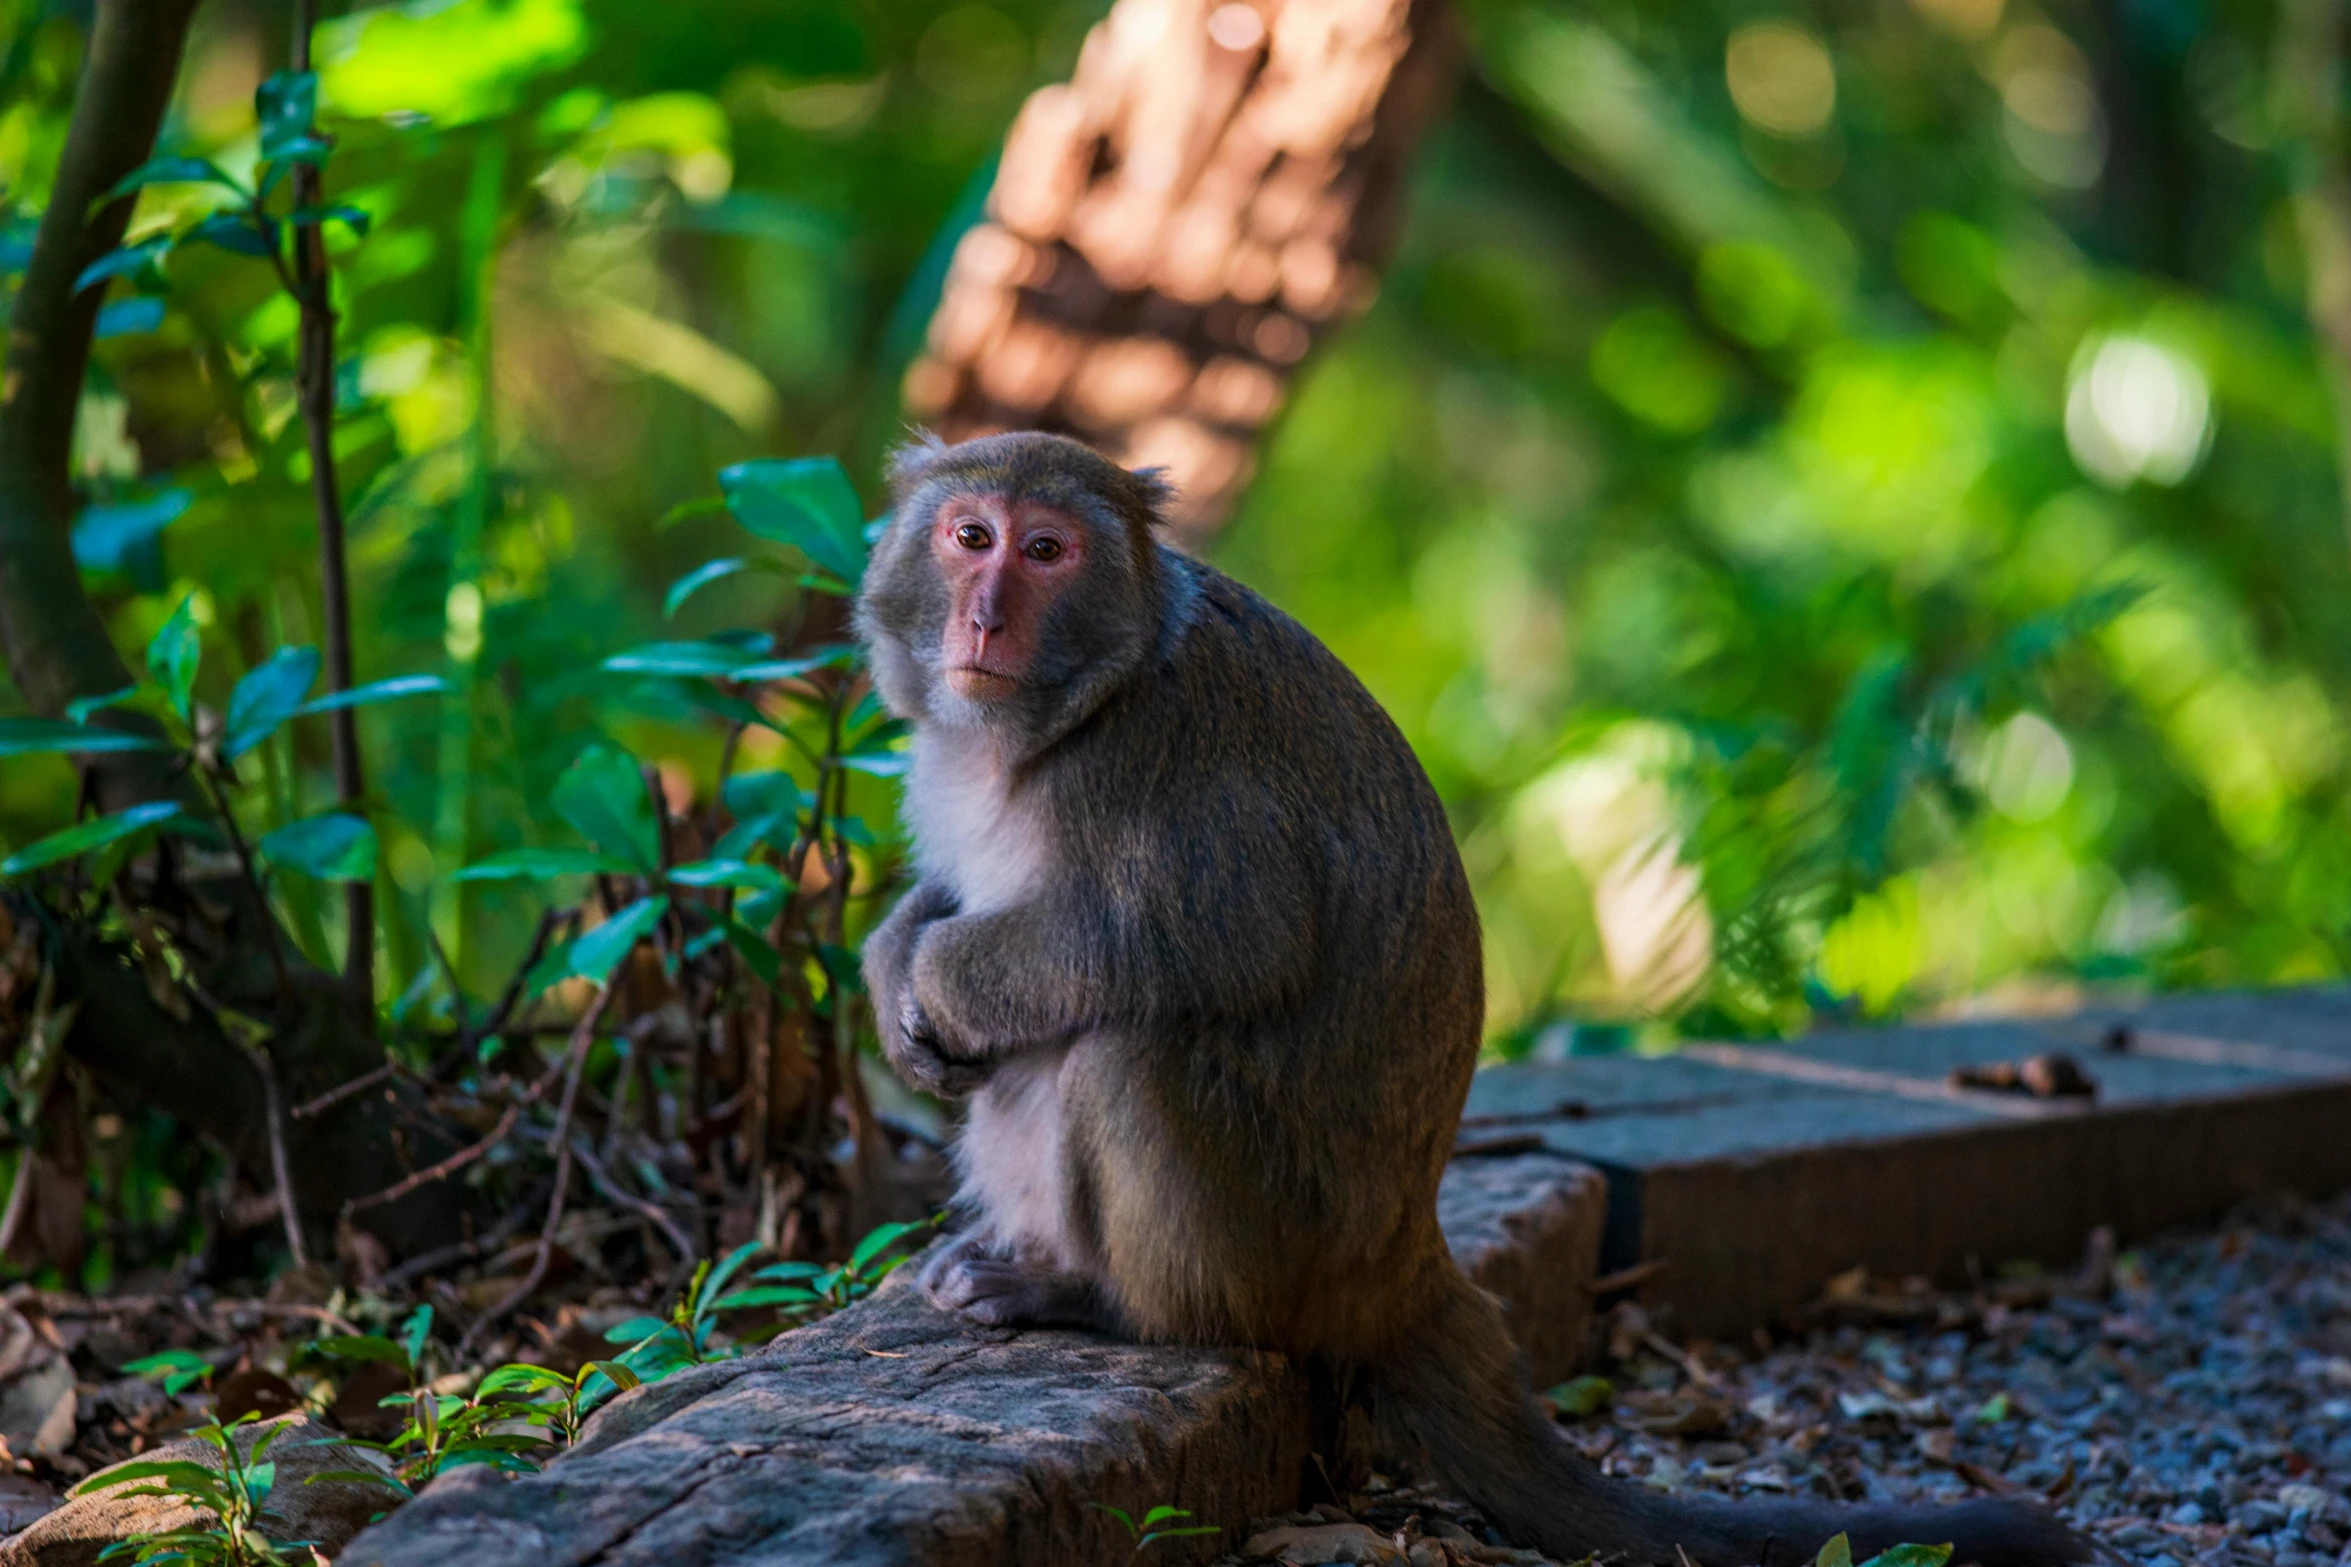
(1043, 547)
(973, 535)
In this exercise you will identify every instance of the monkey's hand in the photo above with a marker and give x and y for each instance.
(908, 1037)
(912, 1043)
(1002, 983)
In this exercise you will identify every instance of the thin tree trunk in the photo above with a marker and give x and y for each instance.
(1172, 230)
(58, 649)
(314, 382)
(57, 644)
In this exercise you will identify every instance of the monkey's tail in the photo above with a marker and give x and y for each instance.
(1456, 1396)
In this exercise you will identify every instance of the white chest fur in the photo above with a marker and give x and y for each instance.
(971, 830)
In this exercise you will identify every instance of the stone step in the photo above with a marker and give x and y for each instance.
(1749, 1175)
(891, 1434)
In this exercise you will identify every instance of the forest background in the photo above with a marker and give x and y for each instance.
(1847, 500)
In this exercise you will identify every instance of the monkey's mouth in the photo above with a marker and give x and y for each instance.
(980, 680)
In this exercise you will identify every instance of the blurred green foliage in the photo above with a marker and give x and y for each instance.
(1843, 499)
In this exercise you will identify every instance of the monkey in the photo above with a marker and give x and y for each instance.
(1191, 939)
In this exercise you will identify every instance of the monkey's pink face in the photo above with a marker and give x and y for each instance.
(1006, 564)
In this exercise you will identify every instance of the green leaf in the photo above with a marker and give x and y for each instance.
(1838, 1552)
(106, 538)
(1911, 1556)
(694, 660)
(332, 846)
(835, 655)
(704, 575)
(78, 710)
(687, 509)
(1582, 1396)
(595, 954)
(727, 873)
(358, 1477)
(271, 692)
(754, 948)
(373, 692)
(765, 794)
(1163, 1513)
(168, 1360)
(361, 1346)
(416, 1330)
(122, 262)
(238, 234)
(763, 1295)
(173, 654)
(729, 1266)
(168, 170)
(879, 764)
(82, 837)
(881, 1239)
(542, 865)
(1178, 1534)
(635, 1330)
(180, 1474)
(529, 1378)
(31, 736)
(286, 104)
(621, 1376)
(133, 317)
(807, 503)
(602, 795)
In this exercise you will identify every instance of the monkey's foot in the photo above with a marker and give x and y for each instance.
(1002, 1293)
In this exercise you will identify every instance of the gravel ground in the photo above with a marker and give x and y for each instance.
(2188, 1402)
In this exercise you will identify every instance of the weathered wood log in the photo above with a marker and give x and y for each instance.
(1172, 229)
(894, 1434)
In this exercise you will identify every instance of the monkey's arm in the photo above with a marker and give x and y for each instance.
(907, 1036)
(1226, 934)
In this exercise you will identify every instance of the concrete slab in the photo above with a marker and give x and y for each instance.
(1758, 1172)
(892, 1434)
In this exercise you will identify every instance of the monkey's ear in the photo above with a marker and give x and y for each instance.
(906, 466)
(1155, 491)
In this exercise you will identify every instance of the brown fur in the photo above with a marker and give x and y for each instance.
(1245, 991)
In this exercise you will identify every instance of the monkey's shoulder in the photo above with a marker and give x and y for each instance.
(1246, 720)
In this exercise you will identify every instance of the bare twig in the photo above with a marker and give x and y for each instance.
(468, 1154)
(335, 1096)
(315, 396)
(1692, 1367)
(446, 1167)
(660, 1217)
(279, 1166)
(576, 1061)
(1628, 1278)
(488, 1241)
(470, 1036)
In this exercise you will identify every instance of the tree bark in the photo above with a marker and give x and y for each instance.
(56, 643)
(58, 650)
(1173, 229)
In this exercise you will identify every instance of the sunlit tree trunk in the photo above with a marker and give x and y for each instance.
(1173, 229)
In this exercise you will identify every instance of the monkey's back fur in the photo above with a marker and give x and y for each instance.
(1252, 1029)
(1257, 826)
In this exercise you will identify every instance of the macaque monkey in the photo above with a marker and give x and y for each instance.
(1192, 937)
